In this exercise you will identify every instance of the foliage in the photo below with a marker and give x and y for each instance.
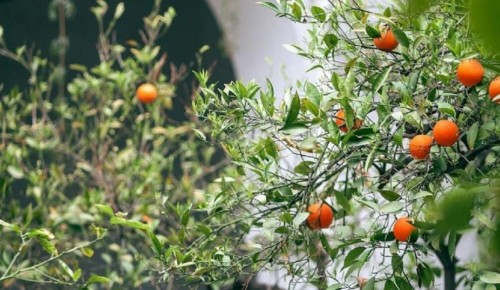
(95, 177)
(294, 155)
(94, 181)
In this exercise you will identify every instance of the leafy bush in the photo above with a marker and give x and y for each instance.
(83, 157)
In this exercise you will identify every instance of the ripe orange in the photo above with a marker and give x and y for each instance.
(340, 121)
(320, 216)
(387, 41)
(445, 133)
(402, 229)
(146, 93)
(470, 72)
(494, 90)
(420, 146)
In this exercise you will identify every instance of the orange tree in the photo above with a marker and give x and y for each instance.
(392, 72)
(81, 155)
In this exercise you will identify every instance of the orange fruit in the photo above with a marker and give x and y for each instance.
(494, 90)
(420, 146)
(445, 133)
(387, 41)
(340, 121)
(470, 72)
(320, 216)
(402, 229)
(146, 93)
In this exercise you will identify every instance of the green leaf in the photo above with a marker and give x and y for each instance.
(282, 230)
(389, 195)
(371, 156)
(372, 32)
(401, 36)
(397, 263)
(15, 171)
(6, 224)
(424, 225)
(304, 167)
(293, 129)
(300, 218)
(87, 252)
(387, 12)
(96, 279)
(129, 223)
(66, 268)
(336, 81)
(380, 80)
(352, 256)
(297, 11)
(76, 275)
(313, 94)
(286, 217)
(200, 134)
(391, 207)
(330, 40)
(46, 244)
(485, 220)
(383, 237)
(157, 245)
(359, 137)
(342, 200)
(269, 5)
(472, 135)
(425, 275)
(439, 165)
(186, 215)
(293, 110)
(370, 284)
(446, 109)
(490, 277)
(106, 209)
(389, 285)
(318, 13)
(403, 283)
(432, 95)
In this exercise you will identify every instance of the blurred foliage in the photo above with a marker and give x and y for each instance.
(96, 183)
(484, 17)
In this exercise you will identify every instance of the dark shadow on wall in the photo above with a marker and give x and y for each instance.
(26, 23)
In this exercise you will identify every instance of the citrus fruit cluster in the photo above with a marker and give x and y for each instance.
(446, 133)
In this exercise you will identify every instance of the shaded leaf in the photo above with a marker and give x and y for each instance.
(372, 32)
(401, 36)
(129, 223)
(380, 80)
(293, 111)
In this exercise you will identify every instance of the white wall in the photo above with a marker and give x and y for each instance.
(255, 39)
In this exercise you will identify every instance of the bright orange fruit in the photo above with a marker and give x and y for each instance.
(320, 216)
(494, 90)
(470, 72)
(340, 121)
(146, 93)
(445, 133)
(402, 229)
(420, 146)
(387, 41)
